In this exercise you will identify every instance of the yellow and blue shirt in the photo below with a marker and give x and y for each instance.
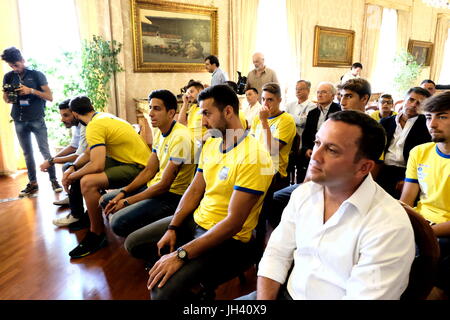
(283, 129)
(430, 168)
(122, 142)
(246, 167)
(177, 146)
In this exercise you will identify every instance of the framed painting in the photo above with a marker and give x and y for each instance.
(421, 51)
(333, 47)
(171, 36)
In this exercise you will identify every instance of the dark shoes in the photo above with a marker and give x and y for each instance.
(90, 244)
(56, 186)
(29, 189)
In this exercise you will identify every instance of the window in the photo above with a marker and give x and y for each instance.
(445, 75)
(384, 70)
(272, 39)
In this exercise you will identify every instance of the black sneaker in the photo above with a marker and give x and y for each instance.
(82, 223)
(29, 189)
(56, 186)
(90, 244)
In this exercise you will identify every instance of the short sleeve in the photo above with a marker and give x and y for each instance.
(411, 168)
(285, 130)
(180, 150)
(255, 173)
(41, 79)
(95, 135)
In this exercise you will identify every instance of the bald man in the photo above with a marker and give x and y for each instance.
(261, 75)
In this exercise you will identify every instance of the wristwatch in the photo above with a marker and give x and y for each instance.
(126, 203)
(182, 254)
(172, 227)
(50, 161)
(123, 191)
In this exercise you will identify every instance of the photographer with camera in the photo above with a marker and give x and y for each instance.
(27, 90)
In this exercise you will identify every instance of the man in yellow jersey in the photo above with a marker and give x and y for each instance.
(428, 172)
(190, 114)
(276, 130)
(385, 107)
(208, 240)
(156, 191)
(114, 157)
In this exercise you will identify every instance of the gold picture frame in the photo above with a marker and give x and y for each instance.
(421, 50)
(333, 47)
(171, 36)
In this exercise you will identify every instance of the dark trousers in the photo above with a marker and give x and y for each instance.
(443, 274)
(209, 270)
(388, 178)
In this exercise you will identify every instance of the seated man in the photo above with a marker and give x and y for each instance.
(213, 223)
(115, 156)
(355, 94)
(403, 132)
(276, 130)
(252, 108)
(385, 104)
(345, 236)
(427, 174)
(156, 191)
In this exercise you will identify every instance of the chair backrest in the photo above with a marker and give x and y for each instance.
(424, 267)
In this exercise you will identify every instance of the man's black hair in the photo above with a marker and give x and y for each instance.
(254, 89)
(357, 65)
(232, 85)
(359, 85)
(223, 96)
(12, 55)
(419, 90)
(373, 138)
(428, 81)
(64, 105)
(169, 99)
(213, 60)
(438, 103)
(81, 105)
(196, 84)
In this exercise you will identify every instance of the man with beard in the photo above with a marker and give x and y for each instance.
(208, 239)
(67, 155)
(428, 173)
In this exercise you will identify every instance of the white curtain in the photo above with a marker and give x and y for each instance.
(439, 46)
(371, 34)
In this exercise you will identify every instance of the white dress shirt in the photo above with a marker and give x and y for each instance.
(300, 111)
(323, 115)
(364, 251)
(251, 112)
(394, 155)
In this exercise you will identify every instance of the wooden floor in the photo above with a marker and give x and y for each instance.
(34, 260)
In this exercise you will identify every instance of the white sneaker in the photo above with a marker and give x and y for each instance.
(65, 221)
(63, 202)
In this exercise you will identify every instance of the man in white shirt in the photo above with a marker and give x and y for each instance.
(403, 132)
(299, 109)
(252, 108)
(345, 236)
(354, 72)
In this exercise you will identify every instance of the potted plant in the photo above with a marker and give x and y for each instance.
(407, 70)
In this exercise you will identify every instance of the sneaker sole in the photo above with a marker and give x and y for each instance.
(62, 224)
(103, 244)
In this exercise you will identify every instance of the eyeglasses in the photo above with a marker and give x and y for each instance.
(386, 102)
(323, 92)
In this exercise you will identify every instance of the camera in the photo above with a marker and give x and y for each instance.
(242, 81)
(10, 90)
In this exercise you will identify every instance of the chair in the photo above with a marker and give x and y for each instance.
(424, 267)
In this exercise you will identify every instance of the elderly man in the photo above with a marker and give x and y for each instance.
(299, 109)
(341, 235)
(261, 75)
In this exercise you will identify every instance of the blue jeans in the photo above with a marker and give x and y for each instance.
(142, 213)
(24, 130)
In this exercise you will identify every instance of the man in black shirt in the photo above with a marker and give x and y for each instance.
(28, 113)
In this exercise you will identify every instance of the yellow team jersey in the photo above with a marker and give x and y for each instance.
(283, 129)
(245, 167)
(122, 142)
(194, 122)
(243, 120)
(430, 168)
(177, 146)
(376, 115)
